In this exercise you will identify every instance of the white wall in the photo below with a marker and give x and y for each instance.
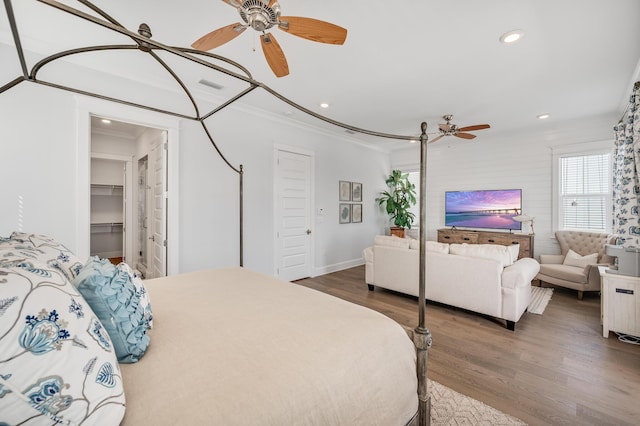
(38, 162)
(522, 160)
(210, 198)
(40, 170)
(39, 137)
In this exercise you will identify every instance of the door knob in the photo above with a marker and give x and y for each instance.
(308, 231)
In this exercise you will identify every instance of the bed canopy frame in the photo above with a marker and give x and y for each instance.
(142, 42)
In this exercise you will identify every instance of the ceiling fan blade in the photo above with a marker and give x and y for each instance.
(313, 29)
(271, 2)
(435, 139)
(234, 3)
(476, 127)
(274, 55)
(464, 135)
(219, 37)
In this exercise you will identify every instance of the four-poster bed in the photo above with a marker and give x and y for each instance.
(143, 43)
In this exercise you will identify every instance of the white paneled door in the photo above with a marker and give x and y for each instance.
(293, 215)
(158, 210)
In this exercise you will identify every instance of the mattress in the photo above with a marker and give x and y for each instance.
(236, 347)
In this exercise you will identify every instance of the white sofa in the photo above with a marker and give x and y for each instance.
(483, 278)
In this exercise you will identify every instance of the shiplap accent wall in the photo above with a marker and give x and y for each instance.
(511, 161)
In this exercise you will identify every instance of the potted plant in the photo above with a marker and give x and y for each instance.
(397, 201)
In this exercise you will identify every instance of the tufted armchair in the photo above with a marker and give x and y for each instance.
(576, 269)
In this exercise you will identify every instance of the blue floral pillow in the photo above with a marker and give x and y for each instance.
(114, 299)
(129, 274)
(45, 249)
(57, 362)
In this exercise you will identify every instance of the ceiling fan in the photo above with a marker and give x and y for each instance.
(262, 15)
(448, 129)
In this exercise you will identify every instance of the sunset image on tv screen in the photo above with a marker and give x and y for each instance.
(483, 209)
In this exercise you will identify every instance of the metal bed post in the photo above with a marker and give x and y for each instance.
(422, 335)
(241, 177)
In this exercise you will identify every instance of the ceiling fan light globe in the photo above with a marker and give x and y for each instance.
(258, 23)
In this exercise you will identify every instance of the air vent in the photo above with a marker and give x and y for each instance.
(211, 84)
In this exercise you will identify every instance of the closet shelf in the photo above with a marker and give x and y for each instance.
(106, 227)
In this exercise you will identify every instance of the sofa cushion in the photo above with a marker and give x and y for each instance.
(496, 252)
(574, 259)
(391, 241)
(574, 274)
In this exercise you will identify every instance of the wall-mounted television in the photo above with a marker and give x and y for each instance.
(489, 208)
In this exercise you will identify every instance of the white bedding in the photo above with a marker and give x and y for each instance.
(235, 347)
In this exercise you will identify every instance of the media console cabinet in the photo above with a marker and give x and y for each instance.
(460, 236)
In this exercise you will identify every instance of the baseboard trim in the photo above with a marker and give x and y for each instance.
(328, 269)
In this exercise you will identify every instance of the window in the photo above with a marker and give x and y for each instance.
(583, 190)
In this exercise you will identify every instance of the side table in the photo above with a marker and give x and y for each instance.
(620, 303)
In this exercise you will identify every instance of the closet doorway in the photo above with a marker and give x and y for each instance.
(128, 206)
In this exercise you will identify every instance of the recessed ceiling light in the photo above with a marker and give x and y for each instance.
(105, 121)
(543, 116)
(511, 36)
(324, 105)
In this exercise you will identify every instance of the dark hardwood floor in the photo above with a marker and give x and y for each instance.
(555, 369)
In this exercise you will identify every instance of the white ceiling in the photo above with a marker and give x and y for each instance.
(405, 61)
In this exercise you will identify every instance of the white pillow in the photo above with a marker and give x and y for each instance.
(58, 362)
(430, 246)
(483, 251)
(437, 247)
(391, 241)
(514, 252)
(574, 259)
(46, 249)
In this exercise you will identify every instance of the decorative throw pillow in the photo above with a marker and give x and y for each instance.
(574, 259)
(10, 257)
(437, 247)
(514, 252)
(46, 249)
(113, 298)
(483, 251)
(57, 363)
(129, 274)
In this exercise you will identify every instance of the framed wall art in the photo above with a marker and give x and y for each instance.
(356, 192)
(345, 213)
(345, 190)
(356, 213)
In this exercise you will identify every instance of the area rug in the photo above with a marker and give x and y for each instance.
(540, 297)
(449, 408)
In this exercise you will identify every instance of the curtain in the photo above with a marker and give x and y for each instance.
(626, 182)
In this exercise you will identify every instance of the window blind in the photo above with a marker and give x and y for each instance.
(584, 188)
